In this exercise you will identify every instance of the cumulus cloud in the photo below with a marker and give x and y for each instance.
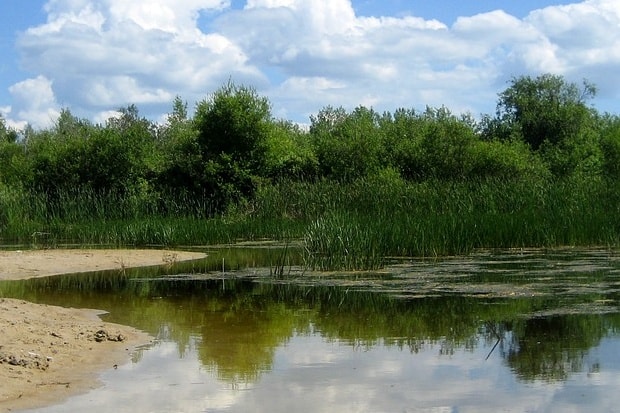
(409, 61)
(583, 41)
(33, 103)
(104, 55)
(97, 56)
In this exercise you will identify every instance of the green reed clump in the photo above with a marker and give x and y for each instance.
(166, 231)
(343, 225)
(22, 214)
(453, 218)
(340, 241)
(119, 219)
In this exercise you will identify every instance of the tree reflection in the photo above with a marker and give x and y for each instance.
(552, 348)
(239, 341)
(236, 327)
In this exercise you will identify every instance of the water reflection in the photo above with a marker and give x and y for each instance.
(358, 342)
(311, 374)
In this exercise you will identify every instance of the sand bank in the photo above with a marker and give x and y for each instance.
(48, 353)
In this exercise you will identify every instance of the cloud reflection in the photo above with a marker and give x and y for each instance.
(312, 374)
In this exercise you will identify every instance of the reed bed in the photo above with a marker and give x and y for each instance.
(351, 226)
(374, 221)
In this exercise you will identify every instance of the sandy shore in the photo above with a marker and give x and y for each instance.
(18, 265)
(48, 353)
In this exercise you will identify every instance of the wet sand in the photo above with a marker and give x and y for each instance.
(19, 265)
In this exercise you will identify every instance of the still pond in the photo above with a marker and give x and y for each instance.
(247, 330)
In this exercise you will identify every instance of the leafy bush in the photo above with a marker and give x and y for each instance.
(610, 146)
(347, 145)
(289, 153)
(234, 121)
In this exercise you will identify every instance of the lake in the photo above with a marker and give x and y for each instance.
(248, 330)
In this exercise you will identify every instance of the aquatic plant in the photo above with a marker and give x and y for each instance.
(342, 226)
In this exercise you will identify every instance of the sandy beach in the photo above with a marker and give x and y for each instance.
(48, 353)
(19, 265)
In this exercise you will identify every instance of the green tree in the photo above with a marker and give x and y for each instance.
(183, 169)
(348, 145)
(75, 155)
(403, 132)
(289, 153)
(546, 108)
(551, 115)
(432, 144)
(179, 114)
(7, 134)
(232, 129)
(56, 155)
(52, 162)
(134, 139)
(12, 157)
(610, 145)
(446, 145)
(235, 121)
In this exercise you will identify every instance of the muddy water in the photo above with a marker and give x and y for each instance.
(248, 331)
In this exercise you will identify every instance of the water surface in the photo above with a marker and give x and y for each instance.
(497, 331)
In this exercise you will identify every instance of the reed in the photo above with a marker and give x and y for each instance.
(352, 226)
(341, 241)
(457, 218)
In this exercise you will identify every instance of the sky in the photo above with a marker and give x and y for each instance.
(96, 56)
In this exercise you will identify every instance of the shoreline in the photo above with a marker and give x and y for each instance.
(50, 353)
(24, 264)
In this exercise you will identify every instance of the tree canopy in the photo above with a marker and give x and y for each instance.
(232, 145)
(546, 108)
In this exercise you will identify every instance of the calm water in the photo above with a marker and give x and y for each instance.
(520, 332)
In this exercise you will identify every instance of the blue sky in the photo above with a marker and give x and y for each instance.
(448, 11)
(95, 56)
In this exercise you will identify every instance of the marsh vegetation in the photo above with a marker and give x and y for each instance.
(355, 187)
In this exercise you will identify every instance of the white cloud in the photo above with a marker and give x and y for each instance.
(320, 16)
(484, 32)
(306, 54)
(34, 103)
(270, 4)
(172, 16)
(583, 39)
(101, 117)
(105, 91)
(105, 55)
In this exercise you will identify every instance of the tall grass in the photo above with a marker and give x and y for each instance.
(342, 226)
(372, 220)
(85, 217)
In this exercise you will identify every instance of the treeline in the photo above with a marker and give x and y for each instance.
(232, 148)
(232, 144)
